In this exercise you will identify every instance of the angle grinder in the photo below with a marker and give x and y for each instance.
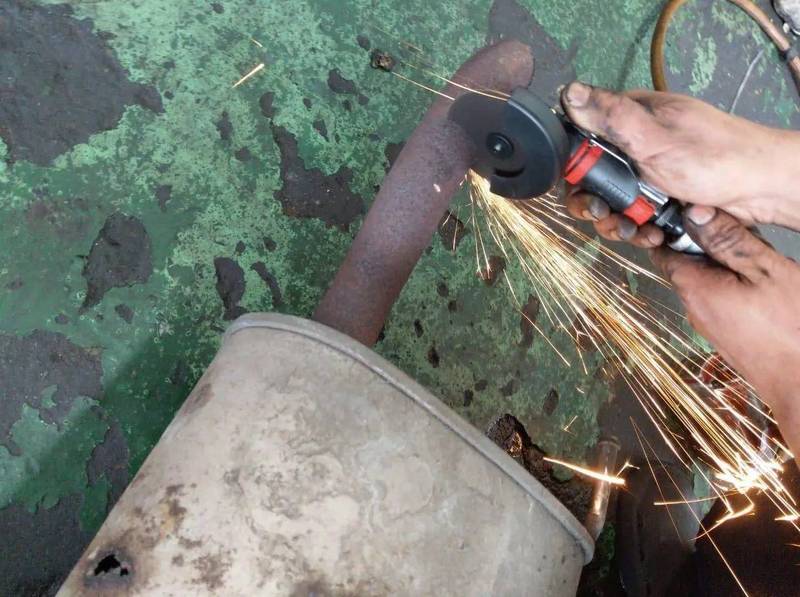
(525, 147)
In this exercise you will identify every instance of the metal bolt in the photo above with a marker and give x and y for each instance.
(499, 145)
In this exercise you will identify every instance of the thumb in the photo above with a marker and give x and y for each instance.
(727, 241)
(618, 118)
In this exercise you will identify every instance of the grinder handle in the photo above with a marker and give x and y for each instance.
(611, 177)
(596, 171)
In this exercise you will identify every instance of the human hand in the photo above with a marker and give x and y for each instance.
(742, 298)
(691, 151)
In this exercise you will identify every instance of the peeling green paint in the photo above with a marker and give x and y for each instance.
(192, 55)
(633, 282)
(704, 65)
(734, 22)
(52, 459)
(47, 396)
(93, 509)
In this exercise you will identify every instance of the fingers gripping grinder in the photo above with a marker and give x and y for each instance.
(525, 147)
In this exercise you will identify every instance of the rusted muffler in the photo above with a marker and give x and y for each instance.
(412, 200)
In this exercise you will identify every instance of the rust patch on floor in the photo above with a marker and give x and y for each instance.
(311, 193)
(59, 63)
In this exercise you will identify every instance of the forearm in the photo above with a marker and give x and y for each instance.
(782, 178)
(788, 419)
(778, 386)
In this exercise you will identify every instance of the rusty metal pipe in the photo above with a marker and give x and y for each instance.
(607, 451)
(412, 200)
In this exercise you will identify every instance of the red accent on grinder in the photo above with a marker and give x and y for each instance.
(640, 211)
(583, 160)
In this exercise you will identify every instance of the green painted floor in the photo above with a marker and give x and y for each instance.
(140, 212)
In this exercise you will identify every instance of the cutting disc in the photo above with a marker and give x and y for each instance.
(522, 146)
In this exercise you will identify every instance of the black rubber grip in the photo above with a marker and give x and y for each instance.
(609, 178)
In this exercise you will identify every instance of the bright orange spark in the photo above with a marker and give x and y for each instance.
(586, 472)
(425, 87)
(568, 425)
(625, 467)
(642, 441)
(498, 95)
(731, 515)
(710, 498)
(250, 74)
(658, 361)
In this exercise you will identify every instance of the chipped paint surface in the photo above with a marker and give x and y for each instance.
(704, 67)
(212, 177)
(41, 475)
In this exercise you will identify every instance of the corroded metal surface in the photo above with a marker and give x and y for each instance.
(303, 463)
